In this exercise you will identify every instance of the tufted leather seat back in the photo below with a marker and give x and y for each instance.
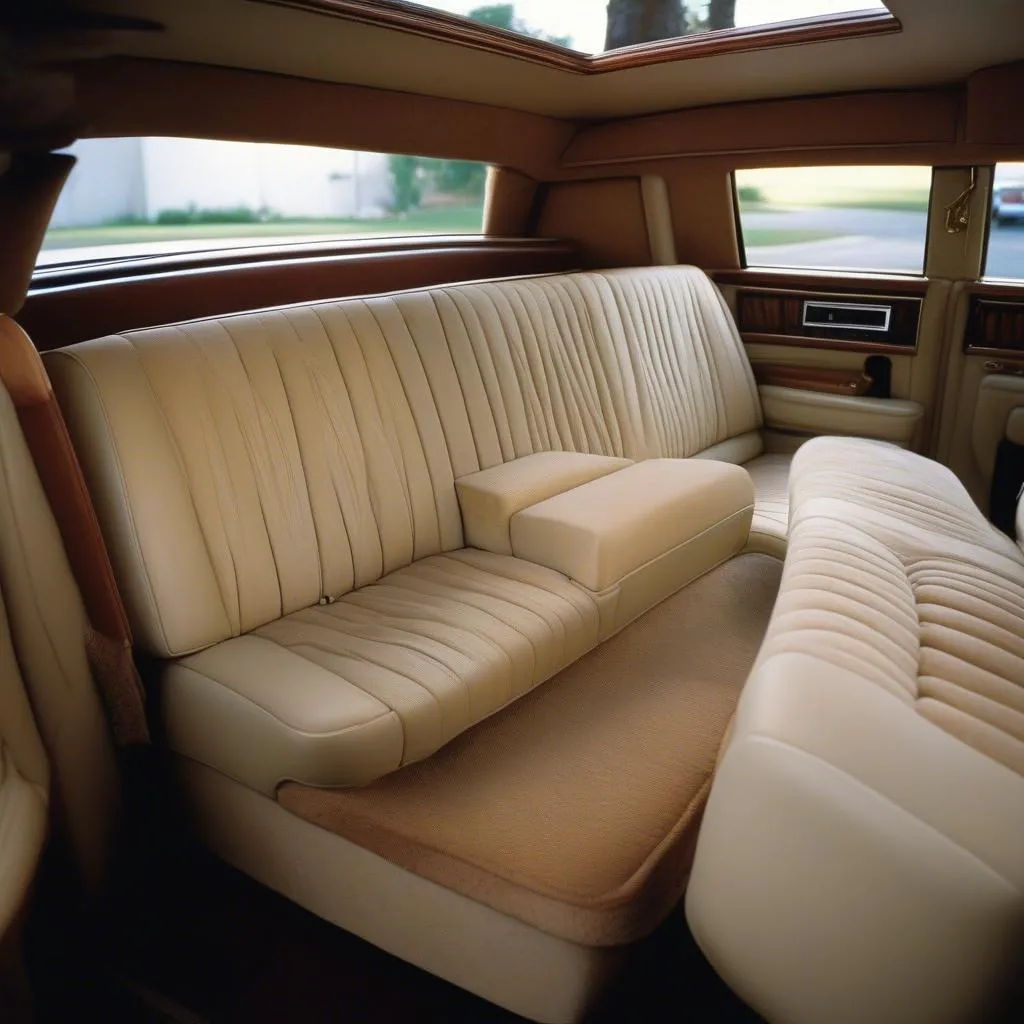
(250, 466)
(254, 465)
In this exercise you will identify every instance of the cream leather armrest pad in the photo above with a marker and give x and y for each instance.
(646, 530)
(814, 412)
(490, 498)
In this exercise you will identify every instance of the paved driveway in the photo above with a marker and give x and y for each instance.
(871, 240)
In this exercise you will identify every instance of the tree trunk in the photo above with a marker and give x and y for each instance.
(721, 14)
(644, 21)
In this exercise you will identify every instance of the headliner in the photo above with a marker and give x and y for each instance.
(941, 42)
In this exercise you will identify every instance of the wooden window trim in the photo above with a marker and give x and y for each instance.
(853, 282)
(73, 304)
(451, 28)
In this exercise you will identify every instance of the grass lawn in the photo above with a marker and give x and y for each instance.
(454, 220)
(784, 236)
(907, 204)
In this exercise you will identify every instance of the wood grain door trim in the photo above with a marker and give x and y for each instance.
(995, 323)
(830, 380)
(774, 316)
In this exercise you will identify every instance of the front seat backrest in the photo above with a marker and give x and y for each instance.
(46, 629)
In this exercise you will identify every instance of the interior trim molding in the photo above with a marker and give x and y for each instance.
(995, 323)
(796, 280)
(774, 316)
(451, 28)
(72, 304)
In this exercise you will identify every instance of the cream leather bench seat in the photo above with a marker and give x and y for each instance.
(278, 493)
(862, 854)
(278, 490)
(283, 521)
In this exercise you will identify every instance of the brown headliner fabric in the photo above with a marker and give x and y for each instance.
(865, 119)
(603, 218)
(125, 96)
(575, 809)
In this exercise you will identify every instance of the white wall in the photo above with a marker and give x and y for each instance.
(106, 184)
(292, 181)
(214, 175)
(141, 177)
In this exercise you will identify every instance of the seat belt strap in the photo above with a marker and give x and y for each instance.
(109, 641)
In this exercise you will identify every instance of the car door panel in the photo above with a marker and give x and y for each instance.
(820, 380)
(1000, 400)
(815, 412)
(985, 381)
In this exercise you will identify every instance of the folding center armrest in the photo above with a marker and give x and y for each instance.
(490, 498)
(636, 536)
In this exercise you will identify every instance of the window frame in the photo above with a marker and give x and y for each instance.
(826, 270)
(193, 249)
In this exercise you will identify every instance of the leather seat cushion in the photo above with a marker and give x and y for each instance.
(770, 474)
(576, 809)
(339, 694)
(872, 791)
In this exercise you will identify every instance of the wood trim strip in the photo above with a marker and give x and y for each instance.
(826, 28)
(264, 250)
(827, 379)
(777, 312)
(995, 326)
(990, 289)
(874, 285)
(451, 28)
(1003, 356)
(57, 316)
(795, 341)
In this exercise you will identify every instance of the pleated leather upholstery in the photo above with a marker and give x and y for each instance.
(342, 693)
(256, 464)
(519, 367)
(252, 465)
(250, 468)
(695, 384)
(934, 613)
(872, 792)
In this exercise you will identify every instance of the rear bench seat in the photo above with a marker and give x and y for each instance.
(862, 853)
(280, 493)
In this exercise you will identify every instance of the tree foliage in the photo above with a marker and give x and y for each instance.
(504, 16)
(412, 175)
(406, 190)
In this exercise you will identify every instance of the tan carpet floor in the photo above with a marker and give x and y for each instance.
(576, 808)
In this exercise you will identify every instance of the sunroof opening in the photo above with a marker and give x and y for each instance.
(598, 26)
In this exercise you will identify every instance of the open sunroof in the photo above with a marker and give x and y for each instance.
(593, 27)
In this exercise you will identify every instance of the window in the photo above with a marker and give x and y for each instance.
(595, 26)
(835, 218)
(140, 196)
(1005, 257)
